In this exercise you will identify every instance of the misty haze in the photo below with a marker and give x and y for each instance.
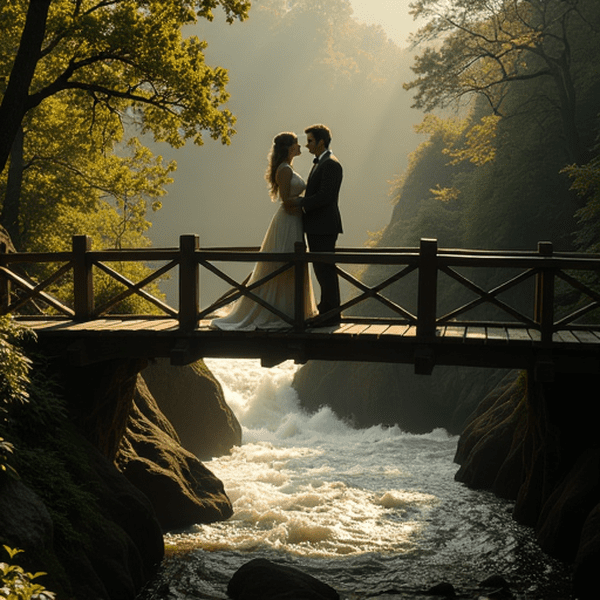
(282, 78)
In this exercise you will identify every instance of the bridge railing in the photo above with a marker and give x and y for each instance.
(543, 271)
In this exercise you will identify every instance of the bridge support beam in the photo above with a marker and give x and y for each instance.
(544, 370)
(544, 295)
(424, 360)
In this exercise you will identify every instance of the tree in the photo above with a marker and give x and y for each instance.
(72, 181)
(586, 182)
(126, 57)
(66, 173)
(483, 46)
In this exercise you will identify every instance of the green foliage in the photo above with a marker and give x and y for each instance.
(104, 71)
(14, 365)
(78, 178)
(79, 181)
(129, 55)
(486, 47)
(74, 177)
(18, 584)
(586, 183)
(14, 382)
(6, 452)
(496, 177)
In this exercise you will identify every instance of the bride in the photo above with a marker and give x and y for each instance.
(283, 232)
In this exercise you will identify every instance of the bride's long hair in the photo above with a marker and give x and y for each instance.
(279, 153)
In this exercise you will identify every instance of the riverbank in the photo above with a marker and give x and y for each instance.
(367, 511)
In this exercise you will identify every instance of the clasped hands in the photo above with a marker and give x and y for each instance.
(292, 205)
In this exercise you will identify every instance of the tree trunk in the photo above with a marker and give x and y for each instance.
(15, 102)
(9, 218)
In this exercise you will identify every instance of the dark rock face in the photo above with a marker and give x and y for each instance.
(96, 531)
(192, 400)
(568, 507)
(585, 578)
(182, 490)
(370, 394)
(115, 544)
(537, 444)
(23, 515)
(488, 450)
(99, 397)
(131, 547)
(261, 579)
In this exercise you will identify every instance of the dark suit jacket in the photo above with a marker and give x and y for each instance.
(320, 203)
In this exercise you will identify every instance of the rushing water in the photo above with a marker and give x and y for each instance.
(372, 512)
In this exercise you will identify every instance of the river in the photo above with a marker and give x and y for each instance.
(375, 512)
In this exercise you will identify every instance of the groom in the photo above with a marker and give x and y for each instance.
(321, 215)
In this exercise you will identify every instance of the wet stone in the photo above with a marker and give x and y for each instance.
(261, 579)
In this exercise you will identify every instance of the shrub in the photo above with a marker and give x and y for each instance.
(18, 584)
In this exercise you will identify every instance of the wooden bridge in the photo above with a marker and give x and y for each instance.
(558, 330)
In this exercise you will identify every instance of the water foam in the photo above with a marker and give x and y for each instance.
(300, 481)
(372, 509)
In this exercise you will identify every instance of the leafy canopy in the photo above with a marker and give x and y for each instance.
(121, 56)
(484, 47)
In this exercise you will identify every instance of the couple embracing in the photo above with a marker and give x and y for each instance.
(309, 208)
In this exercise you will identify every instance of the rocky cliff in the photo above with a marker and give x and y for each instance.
(369, 394)
(206, 428)
(102, 475)
(538, 444)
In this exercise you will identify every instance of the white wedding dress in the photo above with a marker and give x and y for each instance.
(284, 231)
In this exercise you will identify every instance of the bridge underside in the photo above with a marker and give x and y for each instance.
(464, 345)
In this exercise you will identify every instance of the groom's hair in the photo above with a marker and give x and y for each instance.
(321, 132)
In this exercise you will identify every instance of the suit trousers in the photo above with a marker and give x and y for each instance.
(325, 272)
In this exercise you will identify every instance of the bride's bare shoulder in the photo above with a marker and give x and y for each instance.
(284, 172)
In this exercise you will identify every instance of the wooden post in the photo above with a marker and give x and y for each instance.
(299, 283)
(427, 299)
(83, 283)
(544, 295)
(189, 282)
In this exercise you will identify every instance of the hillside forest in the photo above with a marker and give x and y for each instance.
(510, 157)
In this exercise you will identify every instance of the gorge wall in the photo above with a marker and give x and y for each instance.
(537, 444)
(369, 394)
(103, 473)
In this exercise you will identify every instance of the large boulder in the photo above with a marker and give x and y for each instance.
(24, 518)
(182, 490)
(130, 548)
(261, 579)
(98, 396)
(192, 400)
(94, 533)
(489, 449)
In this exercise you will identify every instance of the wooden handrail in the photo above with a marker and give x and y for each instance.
(544, 266)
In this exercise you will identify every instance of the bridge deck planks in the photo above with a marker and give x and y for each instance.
(155, 331)
(586, 337)
(497, 334)
(468, 334)
(494, 345)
